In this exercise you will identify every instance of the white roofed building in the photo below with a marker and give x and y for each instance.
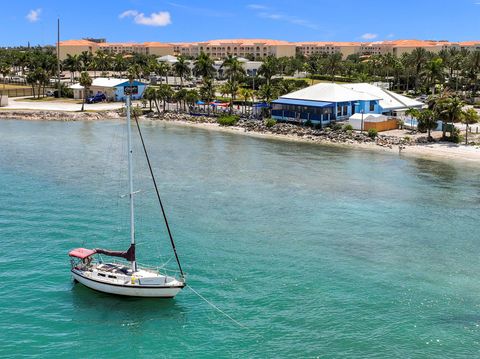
(114, 89)
(326, 102)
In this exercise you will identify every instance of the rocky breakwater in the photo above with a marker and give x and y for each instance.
(37, 115)
(321, 135)
(325, 135)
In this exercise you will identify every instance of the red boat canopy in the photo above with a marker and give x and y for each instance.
(81, 253)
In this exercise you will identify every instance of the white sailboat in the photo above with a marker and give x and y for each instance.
(121, 277)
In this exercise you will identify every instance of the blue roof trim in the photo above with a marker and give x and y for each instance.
(135, 83)
(289, 101)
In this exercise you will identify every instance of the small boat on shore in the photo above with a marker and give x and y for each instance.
(125, 277)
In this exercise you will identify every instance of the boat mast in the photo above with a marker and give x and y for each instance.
(130, 178)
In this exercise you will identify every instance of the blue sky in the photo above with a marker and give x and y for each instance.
(182, 20)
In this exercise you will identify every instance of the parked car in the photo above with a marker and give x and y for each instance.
(50, 93)
(99, 97)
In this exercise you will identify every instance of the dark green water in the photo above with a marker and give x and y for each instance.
(319, 251)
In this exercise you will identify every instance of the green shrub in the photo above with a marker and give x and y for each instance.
(308, 123)
(336, 126)
(270, 122)
(456, 137)
(348, 127)
(329, 78)
(227, 120)
(372, 133)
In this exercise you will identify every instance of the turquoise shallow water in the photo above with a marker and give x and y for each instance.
(319, 251)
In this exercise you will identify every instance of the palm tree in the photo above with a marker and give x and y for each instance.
(181, 69)
(413, 113)
(469, 117)
(86, 59)
(165, 94)
(86, 82)
(434, 71)
(134, 72)
(235, 73)
(103, 61)
(269, 68)
(73, 64)
(333, 64)
(418, 58)
(246, 94)
(181, 98)
(426, 121)
(150, 95)
(473, 70)
(203, 66)
(207, 92)
(119, 63)
(449, 109)
(4, 70)
(162, 70)
(192, 97)
(267, 92)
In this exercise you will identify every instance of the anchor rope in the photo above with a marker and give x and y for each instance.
(220, 311)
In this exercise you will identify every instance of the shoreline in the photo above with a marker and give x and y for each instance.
(437, 151)
(440, 151)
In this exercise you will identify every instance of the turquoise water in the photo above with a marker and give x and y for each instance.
(319, 251)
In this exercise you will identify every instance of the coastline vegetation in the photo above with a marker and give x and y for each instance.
(448, 80)
(227, 120)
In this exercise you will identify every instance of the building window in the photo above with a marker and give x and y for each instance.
(372, 106)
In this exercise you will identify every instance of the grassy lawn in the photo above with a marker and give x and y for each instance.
(52, 99)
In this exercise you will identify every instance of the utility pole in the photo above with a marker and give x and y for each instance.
(58, 59)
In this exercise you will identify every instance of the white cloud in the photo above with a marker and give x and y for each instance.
(34, 15)
(390, 36)
(257, 7)
(161, 18)
(369, 36)
(287, 18)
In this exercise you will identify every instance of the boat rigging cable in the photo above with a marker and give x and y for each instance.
(158, 195)
(170, 234)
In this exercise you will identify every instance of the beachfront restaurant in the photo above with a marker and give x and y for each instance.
(323, 103)
(292, 110)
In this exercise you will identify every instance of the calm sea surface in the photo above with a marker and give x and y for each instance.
(319, 251)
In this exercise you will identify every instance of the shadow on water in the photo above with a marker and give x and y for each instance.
(440, 174)
(465, 320)
(128, 310)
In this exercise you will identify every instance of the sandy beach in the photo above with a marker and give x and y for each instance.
(434, 151)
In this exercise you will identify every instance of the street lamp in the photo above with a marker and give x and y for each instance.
(361, 111)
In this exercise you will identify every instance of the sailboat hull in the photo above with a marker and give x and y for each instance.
(130, 290)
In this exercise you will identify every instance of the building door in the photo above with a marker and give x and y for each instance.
(353, 108)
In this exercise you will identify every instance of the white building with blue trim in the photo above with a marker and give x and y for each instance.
(114, 89)
(326, 102)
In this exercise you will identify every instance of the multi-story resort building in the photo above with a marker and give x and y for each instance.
(75, 47)
(260, 48)
(256, 48)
